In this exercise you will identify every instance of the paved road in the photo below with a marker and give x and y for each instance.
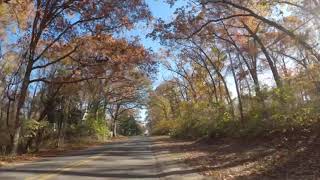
(127, 159)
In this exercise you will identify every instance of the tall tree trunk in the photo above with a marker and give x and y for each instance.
(114, 130)
(272, 66)
(253, 72)
(205, 65)
(252, 68)
(1, 114)
(38, 140)
(216, 69)
(60, 139)
(32, 101)
(20, 104)
(115, 118)
(63, 124)
(8, 113)
(246, 81)
(237, 89)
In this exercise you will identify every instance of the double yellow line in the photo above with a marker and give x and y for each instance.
(68, 167)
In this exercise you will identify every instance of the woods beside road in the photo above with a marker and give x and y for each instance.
(215, 73)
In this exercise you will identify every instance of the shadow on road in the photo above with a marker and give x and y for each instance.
(125, 160)
(106, 174)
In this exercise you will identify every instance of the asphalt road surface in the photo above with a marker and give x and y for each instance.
(126, 159)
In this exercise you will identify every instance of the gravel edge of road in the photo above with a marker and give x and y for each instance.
(181, 165)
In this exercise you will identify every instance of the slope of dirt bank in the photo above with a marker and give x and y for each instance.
(297, 157)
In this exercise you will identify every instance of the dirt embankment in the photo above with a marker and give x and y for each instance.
(279, 157)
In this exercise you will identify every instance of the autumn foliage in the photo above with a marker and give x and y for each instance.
(241, 69)
(64, 65)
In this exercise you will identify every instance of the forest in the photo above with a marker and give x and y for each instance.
(239, 69)
(69, 71)
(64, 70)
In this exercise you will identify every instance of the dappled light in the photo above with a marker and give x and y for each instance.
(152, 89)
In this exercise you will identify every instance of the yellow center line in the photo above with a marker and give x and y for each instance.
(58, 171)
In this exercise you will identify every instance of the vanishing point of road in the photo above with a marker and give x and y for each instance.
(126, 159)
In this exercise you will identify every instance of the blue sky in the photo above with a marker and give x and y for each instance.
(159, 9)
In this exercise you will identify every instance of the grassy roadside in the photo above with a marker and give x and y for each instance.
(52, 151)
(294, 157)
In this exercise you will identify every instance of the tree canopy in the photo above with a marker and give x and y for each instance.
(64, 64)
(236, 68)
(241, 68)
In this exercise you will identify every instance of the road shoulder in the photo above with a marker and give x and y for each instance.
(172, 164)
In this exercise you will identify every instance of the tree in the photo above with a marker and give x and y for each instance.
(125, 95)
(214, 41)
(129, 126)
(56, 25)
